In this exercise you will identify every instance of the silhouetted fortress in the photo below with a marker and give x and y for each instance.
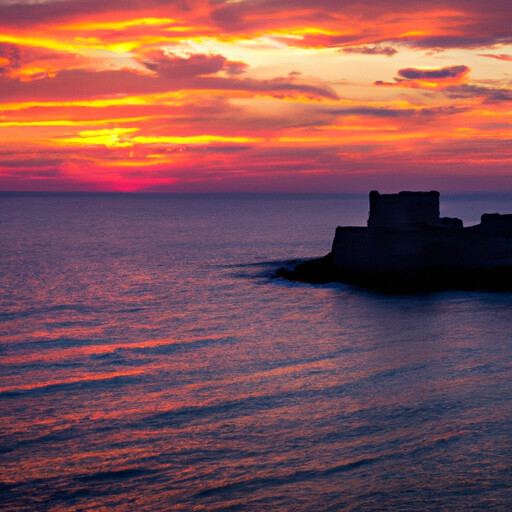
(407, 209)
(403, 209)
(407, 246)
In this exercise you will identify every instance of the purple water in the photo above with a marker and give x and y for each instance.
(148, 361)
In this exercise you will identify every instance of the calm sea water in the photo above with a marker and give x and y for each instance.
(149, 362)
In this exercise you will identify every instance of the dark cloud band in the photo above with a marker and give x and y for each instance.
(446, 72)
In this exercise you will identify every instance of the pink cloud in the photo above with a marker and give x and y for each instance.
(500, 56)
(195, 72)
(171, 66)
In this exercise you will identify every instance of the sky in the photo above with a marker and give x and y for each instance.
(255, 95)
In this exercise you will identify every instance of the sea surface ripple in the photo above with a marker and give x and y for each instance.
(149, 362)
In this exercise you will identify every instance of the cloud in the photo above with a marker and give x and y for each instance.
(175, 74)
(173, 66)
(429, 74)
(426, 78)
(9, 56)
(397, 113)
(500, 56)
(436, 24)
(389, 51)
(34, 14)
(449, 41)
(235, 67)
(484, 94)
(381, 112)
(30, 62)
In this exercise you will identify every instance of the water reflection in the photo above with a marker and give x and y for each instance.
(150, 376)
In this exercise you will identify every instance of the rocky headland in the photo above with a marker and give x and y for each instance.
(407, 247)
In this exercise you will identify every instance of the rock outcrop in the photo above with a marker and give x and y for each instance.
(407, 247)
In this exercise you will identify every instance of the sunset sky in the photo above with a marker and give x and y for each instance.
(256, 95)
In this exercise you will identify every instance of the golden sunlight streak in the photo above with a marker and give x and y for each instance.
(113, 137)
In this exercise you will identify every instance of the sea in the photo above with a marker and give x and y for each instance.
(150, 361)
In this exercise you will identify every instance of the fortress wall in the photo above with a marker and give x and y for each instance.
(404, 208)
(377, 251)
(496, 223)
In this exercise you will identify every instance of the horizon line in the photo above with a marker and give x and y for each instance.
(232, 193)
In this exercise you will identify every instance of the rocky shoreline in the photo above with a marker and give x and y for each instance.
(322, 271)
(407, 248)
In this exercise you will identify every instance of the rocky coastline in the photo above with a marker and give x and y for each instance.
(407, 248)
